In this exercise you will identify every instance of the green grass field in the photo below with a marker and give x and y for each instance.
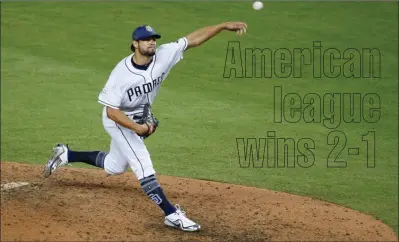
(56, 57)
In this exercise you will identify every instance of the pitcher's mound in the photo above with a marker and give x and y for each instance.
(83, 204)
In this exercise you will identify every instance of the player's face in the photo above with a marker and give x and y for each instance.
(147, 47)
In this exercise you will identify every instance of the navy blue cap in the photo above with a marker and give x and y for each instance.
(144, 32)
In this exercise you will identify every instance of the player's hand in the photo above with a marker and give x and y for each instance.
(146, 129)
(239, 27)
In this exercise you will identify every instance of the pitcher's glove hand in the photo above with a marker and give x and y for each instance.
(149, 119)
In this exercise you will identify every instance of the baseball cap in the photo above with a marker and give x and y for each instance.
(144, 32)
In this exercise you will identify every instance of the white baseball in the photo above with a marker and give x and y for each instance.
(257, 5)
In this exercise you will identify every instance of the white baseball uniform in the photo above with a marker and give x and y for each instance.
(128, 89)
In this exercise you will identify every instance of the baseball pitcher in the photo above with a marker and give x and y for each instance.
(128, 97)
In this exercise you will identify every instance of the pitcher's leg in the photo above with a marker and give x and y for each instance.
(115, 163)
(154, 191)
(140, 161)
(134, 151)
(93, 158)
(63, 155)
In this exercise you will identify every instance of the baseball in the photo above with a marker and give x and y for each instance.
(257, 5)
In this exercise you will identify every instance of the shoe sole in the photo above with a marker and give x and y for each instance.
(47, 170)
(168, 223)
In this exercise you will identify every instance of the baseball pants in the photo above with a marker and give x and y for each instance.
(127, 149)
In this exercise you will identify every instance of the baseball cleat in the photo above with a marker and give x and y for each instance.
(59, 158)
(179, 220)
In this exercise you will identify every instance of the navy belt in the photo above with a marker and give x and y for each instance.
(135, 117)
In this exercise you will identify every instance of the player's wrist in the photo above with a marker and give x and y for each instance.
(135, 127)
(222, 26)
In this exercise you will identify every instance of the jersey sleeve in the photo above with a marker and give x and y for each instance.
(175, 50)
(110, 96)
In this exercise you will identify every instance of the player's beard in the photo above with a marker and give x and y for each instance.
(147, 52)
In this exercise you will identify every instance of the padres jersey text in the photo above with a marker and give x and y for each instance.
(129, 88)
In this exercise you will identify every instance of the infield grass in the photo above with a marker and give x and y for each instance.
(56, 57)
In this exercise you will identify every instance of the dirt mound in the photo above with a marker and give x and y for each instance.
(84, 204)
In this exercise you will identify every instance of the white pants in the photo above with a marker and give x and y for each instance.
(127, 149)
